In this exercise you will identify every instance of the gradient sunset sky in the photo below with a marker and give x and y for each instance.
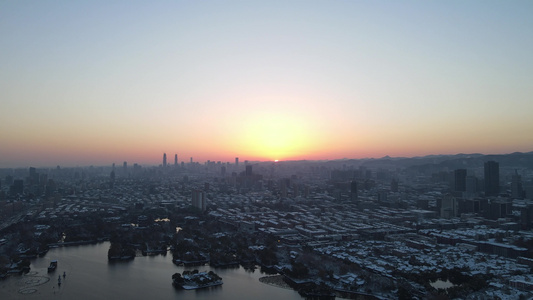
(97, 82)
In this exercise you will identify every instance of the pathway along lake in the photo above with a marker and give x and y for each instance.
(90, 276)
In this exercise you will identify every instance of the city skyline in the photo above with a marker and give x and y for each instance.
(127, 164)
(95, 83)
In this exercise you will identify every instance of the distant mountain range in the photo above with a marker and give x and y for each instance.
(457, 161)
(517, 160)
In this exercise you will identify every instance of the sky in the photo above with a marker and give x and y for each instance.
(102, 82)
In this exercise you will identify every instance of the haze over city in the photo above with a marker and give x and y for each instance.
(97, 82)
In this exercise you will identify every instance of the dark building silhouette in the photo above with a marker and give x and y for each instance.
(112, 178)
(236, 161)
(248, 170)
(283, 189)
(526, 216)
(34, 176)
(175, 160)
(516, 186)
(492, 178)
(353, 190)
(164, 159)
(460, 180)
(199, 200)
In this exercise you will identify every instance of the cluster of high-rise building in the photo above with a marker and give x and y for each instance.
(469, 184)
(486, 197)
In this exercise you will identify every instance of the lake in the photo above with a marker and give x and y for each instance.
(89, 275)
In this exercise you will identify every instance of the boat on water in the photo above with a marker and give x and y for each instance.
(53, 266)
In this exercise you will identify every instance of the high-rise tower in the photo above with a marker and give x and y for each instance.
(460, 180)
(492, 178)
(516, 186)
(175, 160)
(164, 159)
(199, 200)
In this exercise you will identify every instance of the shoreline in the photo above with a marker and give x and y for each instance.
(275, 280)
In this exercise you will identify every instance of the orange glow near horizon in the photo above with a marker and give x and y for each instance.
(276, 136)
(295, 83)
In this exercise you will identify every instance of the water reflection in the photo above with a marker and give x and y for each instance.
(90, 273)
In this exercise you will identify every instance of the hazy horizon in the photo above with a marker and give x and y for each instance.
(97, 82)
(170, 161)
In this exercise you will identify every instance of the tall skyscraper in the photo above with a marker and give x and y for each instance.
(460, 180)
(248, 170)
(34, 176)
(175, 160)
(198, 199)
(516, 186)
(236, 161)
(164, 159)
(492, 178)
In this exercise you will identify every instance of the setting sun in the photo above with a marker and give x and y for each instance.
(274, 136)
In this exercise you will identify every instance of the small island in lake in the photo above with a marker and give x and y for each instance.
(191, 280)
